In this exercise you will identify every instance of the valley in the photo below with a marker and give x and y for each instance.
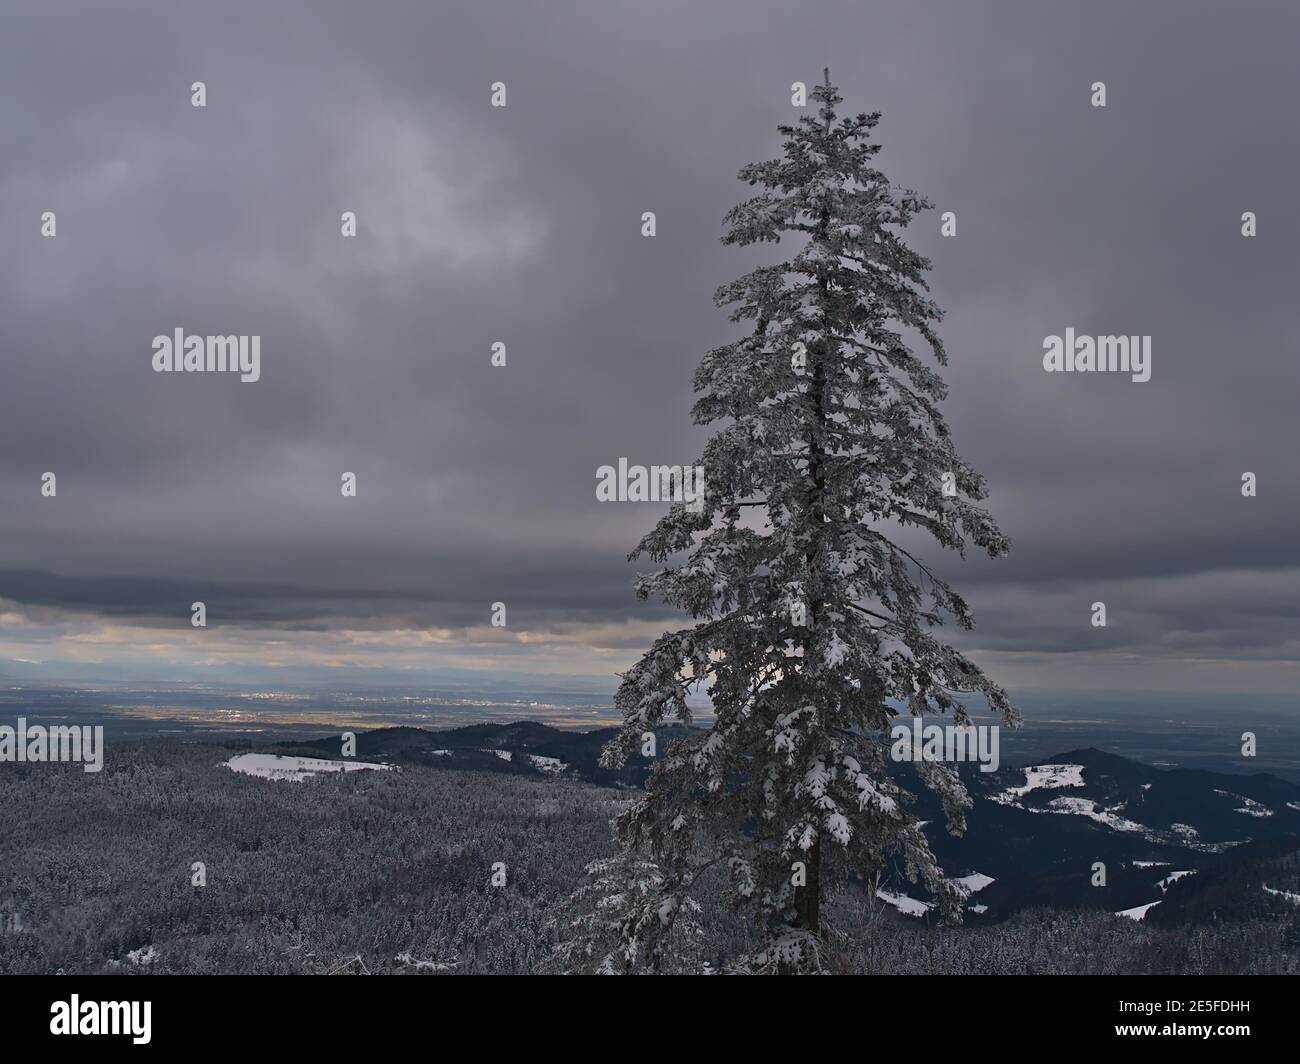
(460, 850)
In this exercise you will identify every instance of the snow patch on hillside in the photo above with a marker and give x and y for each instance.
(1138, 912)
(966, 886)
(972, 884)
(904, 904)
(1249, 806)
(142, 958)
(1174, 877)
(296, 769)
(552, 766)
(1087, 807)
(1291, 897)
(412, 961)
(1041, 778)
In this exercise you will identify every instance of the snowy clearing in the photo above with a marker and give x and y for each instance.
(1138, 912)
(552, 766)
(297, 769)
(1087, 807)
(1249, 806)
(1174, 877)
(1043, 777)
(972, 884)
(904, 904)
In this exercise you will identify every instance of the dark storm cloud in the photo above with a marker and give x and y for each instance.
(521, 225)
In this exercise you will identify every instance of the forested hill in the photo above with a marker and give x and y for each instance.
(1033, 836)
(392, 871)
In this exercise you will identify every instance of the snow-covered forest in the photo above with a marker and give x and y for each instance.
(393, 872)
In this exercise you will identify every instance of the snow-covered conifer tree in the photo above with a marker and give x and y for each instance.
(810, 617)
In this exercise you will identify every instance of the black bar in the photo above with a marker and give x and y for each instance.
(256, 1014)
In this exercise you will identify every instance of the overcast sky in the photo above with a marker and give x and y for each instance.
(476, 484)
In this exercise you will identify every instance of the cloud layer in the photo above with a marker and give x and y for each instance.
(521, 225)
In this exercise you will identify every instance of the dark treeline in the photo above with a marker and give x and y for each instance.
(389, 871)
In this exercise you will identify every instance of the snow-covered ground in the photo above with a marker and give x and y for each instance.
(1249, 806)
(552, 766)
(966, 885)
(1087, 807)
(1043, 777)
(1174, 877)
(297, 769)
(1138, 912)
(904, 904)
(424, 965)
(1291, 897)
(972, 884)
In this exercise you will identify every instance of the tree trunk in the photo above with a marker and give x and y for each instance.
(810, 899)
(809, 907)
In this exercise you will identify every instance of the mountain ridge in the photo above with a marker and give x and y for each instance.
(1040, 839)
